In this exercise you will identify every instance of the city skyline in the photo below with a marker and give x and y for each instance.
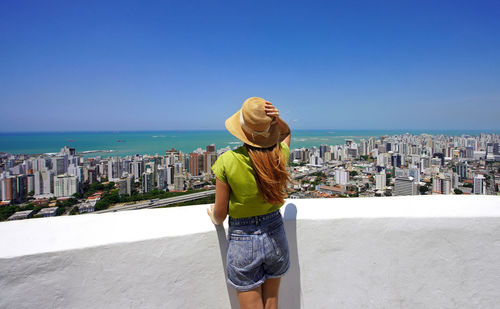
(114, 66)
(67, 182)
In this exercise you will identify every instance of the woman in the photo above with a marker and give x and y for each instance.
(251, 186)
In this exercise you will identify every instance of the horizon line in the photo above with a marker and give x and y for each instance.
(224, 130)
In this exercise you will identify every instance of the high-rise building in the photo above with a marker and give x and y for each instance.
(194, 164)
(404, 186)
(162, 177)
(126, 184)
(380, 180)
(415, 173)
(75, 170)
(147, 181)
(327, 156)
(322, 149)
(170, 174)
(65, 185)
(352, 152)
(315, 160)
(396, 160)
(31, 183)
(8, 188)
(38, 180)
(462, 170)
(179, 182)
(441, 184)
(447, 185)
(21, 187)
(47, 182)
(425, 162)
(469, 152)
(39, 164)
(363, 149)
(59, 164)
(479, 184)
(67, 151)
(211, 148)
(114, 169)
(382, 159)
(136, 168)
(341, 176)
(209, 160)
(440, 156)
(437, 184)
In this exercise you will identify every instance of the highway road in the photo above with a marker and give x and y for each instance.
(160, 202)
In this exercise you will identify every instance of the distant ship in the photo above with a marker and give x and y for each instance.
(120, 141)
(70, 140)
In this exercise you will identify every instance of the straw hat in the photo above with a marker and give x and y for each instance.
(252, 126)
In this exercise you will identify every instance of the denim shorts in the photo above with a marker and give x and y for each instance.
(257, 250)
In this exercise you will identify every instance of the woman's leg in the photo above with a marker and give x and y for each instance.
(251, 299)
(270, 290)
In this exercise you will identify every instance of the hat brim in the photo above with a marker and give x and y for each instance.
(233, 125)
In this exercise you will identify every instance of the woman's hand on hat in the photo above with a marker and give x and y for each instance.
(272, 111)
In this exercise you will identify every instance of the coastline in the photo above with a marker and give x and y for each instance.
(123, 143)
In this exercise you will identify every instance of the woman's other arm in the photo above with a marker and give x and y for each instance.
(218, 212)
(285, 133)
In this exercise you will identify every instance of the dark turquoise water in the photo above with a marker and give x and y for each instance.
(152, 142)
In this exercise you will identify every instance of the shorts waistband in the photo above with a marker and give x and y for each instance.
(254, 220)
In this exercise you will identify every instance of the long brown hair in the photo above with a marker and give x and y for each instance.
(271, 174)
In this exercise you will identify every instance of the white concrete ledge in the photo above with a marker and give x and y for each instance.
(396, 252)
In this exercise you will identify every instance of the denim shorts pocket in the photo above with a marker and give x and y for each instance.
(279, 241)
(240, 251)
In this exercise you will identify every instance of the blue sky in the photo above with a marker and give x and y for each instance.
(154, 65)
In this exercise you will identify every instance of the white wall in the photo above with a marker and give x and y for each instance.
(397, 252)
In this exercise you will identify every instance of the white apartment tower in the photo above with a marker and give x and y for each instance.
(404, 186)
(341, 176)
(65, 185)
(479, 184)
(380, 181)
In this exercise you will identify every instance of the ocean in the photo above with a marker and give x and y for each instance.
(123, 143)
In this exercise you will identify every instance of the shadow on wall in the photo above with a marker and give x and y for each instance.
(290, 290)
(221, 235)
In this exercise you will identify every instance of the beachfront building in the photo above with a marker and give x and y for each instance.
(147, 181)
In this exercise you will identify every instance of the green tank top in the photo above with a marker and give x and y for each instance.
(235, 168)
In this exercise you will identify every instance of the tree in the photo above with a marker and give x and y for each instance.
(60, 210)
(78, 195)
(458, 191)
(7, 211)
(423, 190)
(353, 173)
(110, 186)
(29, 206)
